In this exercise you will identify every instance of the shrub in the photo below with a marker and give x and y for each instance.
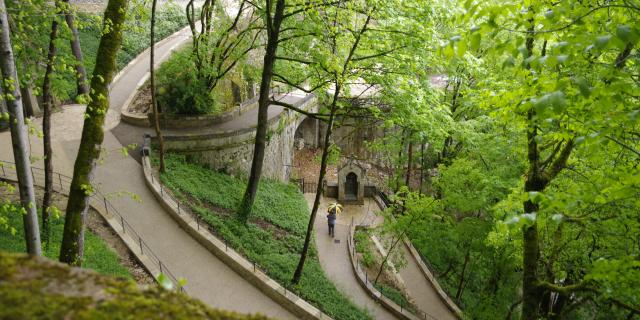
(180, 90)
(363, 245)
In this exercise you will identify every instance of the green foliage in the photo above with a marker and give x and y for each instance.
(97, 255)
(169, 19)
(333, 157)
(183, 90)
(272, 238)
(554, 73)
(180, 90)
(363, 246)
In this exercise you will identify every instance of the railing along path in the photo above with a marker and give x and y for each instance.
(62, 184)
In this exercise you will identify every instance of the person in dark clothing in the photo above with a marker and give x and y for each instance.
(331, 219)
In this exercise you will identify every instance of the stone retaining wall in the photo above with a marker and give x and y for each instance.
(232, 151)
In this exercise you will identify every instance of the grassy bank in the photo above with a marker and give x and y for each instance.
(98, 256)
(272, 238)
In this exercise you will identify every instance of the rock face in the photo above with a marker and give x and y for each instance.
(38, 288)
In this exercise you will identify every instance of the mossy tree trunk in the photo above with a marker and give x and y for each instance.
(72, 248)
(540, 173)
(154, 102)
(273, 33)
(47, 101)
(19, 136)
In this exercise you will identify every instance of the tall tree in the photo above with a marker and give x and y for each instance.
(13, 99)
(47, 101)
(224, 39)
(154, 103)
(564, 81)
(76, 50)
(339, 77)
(72, 248)
(273, 23)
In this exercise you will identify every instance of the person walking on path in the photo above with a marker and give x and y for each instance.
(333, 210)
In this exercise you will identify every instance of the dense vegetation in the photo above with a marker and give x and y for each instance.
(272, 238)
(528, 153)
(36, 288)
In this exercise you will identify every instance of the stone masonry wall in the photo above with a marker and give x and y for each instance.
(232, 152)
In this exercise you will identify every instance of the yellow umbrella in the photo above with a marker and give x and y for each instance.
(335, 206)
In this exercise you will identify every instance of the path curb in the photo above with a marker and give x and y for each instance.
(230, 257)
(426, 272)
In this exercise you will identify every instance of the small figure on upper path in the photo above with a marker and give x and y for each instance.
(333, 210)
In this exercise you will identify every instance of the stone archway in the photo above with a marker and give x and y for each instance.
(351, 187)
(307, 133)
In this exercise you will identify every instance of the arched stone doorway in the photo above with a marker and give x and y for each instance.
(351, 187)
(351, 182)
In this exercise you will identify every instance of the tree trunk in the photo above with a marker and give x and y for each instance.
(72, 248)
(464, 270)
(409, 163)
(531, 293)
(19, 136)
(386, 257)
(316, 202)
(154, 102)
(47, 101)
(421, 167)
(398, 173)
(337, 80)
(4, 124)
(81, 72)
(273, 32)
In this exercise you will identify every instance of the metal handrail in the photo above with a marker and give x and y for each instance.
(64, 183)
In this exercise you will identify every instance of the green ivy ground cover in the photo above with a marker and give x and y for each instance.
(98, 256)
(272, 238)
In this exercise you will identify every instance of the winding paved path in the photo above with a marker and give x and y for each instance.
(334, 258)
(208, 278)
